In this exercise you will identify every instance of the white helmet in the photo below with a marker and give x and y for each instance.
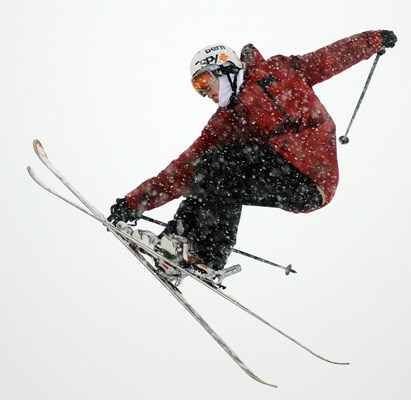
(214, 57)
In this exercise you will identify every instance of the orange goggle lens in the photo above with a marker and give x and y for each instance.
(203, 82)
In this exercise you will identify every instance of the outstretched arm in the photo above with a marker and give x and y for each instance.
(322, 64)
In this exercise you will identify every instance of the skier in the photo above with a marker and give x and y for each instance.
(270, 143)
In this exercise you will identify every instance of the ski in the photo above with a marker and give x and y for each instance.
(126, 239)
(39, 149)
(129, 239)
(173, 290)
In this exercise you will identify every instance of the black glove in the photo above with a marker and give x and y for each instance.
(121, 211)
(388, 38)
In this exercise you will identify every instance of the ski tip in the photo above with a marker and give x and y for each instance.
(342, 363)
(264, 382)
(38, 147)
(270, 385)
(257, 378)
(31, 172)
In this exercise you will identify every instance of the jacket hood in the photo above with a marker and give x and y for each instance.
(250, 56)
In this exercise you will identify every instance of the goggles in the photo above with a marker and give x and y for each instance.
(203, 82)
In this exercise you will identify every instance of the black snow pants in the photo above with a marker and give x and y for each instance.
(224, 181)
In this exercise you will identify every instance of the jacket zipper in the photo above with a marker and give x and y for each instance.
(269, 80)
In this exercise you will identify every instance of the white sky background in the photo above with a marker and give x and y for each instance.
(105, 86)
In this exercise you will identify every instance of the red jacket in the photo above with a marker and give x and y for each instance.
(276, 105)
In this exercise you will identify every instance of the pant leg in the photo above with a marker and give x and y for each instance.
(210, 214)
(223, 182)
(210, 226)
(271, 181)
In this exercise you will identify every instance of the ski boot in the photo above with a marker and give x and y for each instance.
(164, 269)
(178, 249)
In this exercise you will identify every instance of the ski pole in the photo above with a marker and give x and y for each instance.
(287, 269)
(344, 139)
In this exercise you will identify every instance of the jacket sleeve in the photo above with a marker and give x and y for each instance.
(169, 184)
(174, 181)
(330, 60)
